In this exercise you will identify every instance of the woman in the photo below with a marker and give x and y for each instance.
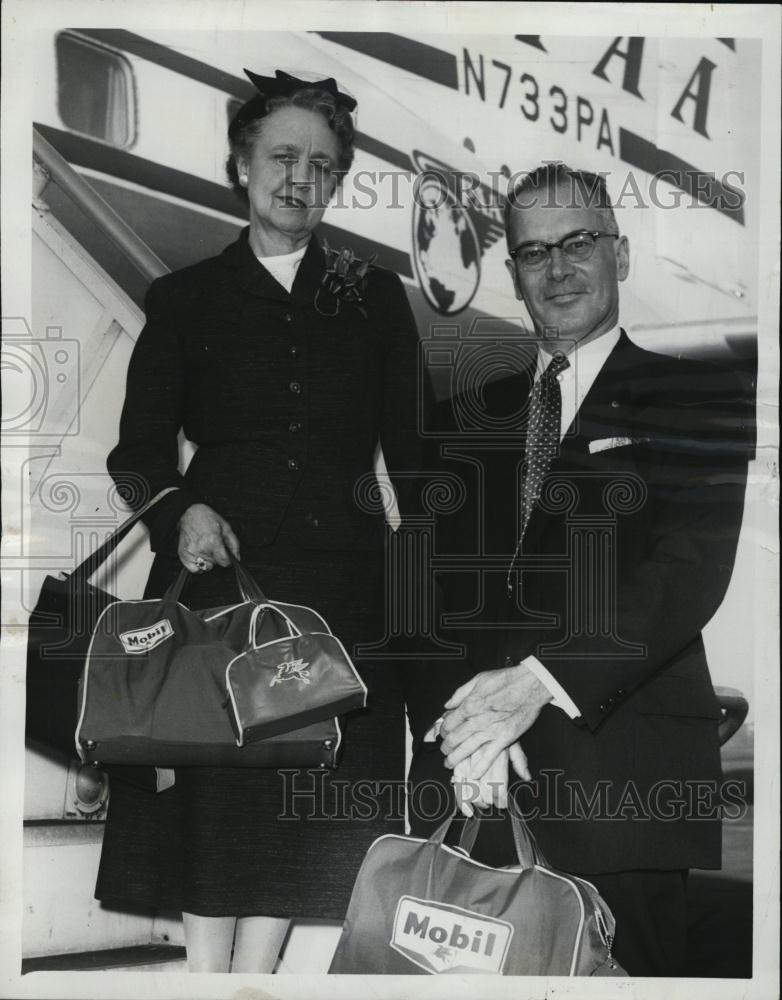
(285, 385)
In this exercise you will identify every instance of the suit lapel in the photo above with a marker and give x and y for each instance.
(608, 409)
(253, 278)
(310, 274)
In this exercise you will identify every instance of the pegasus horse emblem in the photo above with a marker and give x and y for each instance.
(291, 670)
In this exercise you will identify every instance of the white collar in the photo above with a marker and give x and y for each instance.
(585, 361)
(284, 258)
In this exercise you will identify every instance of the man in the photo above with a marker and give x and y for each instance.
(612, 482)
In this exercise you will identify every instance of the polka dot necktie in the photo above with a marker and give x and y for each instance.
(543, 436)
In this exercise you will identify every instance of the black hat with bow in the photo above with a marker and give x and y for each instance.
(282, 84)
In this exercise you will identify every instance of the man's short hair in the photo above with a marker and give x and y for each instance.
(566, 187)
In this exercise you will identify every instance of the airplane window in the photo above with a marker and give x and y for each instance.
(95, 90)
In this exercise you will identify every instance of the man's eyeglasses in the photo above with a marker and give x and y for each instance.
(577, 246)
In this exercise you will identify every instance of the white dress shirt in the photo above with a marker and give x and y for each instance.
(576, 380)
(574, 383)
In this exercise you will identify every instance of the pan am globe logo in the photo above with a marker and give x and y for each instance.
(446, 249)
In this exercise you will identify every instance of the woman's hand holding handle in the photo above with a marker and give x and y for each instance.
(205, 539)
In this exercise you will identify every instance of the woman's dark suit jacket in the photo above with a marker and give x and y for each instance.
(285, 405)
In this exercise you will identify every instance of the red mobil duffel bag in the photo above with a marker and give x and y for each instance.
(155, 687)
(420, 906)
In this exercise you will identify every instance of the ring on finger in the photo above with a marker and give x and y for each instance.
(201, 564)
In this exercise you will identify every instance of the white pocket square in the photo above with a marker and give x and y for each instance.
(606, 444)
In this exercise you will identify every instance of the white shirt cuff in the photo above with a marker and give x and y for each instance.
(559, 696)
(433, 734)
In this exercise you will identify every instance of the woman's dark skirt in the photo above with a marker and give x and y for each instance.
(289, 843)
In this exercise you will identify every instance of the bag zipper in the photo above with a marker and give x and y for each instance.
(608, 939)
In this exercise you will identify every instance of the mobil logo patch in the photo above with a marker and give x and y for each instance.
(141, 640)
(439, 937)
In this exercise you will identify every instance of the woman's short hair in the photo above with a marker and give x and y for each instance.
(245, 128)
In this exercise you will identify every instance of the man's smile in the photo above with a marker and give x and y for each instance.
(291, 201)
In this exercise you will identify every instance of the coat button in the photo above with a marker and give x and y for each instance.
(294, 426)
(293, 465)
(295, 387)
(293, 351)
(288, 318)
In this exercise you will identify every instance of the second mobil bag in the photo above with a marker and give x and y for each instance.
(420, 906)
(153, 690)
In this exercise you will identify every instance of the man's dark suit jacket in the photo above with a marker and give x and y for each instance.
(625, 559)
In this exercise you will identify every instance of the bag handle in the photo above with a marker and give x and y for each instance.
(85, 569)
(251, 591)
(174, 592)
(248, 588)
(524, 839)
(527, 850)
(261, 610)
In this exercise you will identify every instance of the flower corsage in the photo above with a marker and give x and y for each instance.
(345, 280)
